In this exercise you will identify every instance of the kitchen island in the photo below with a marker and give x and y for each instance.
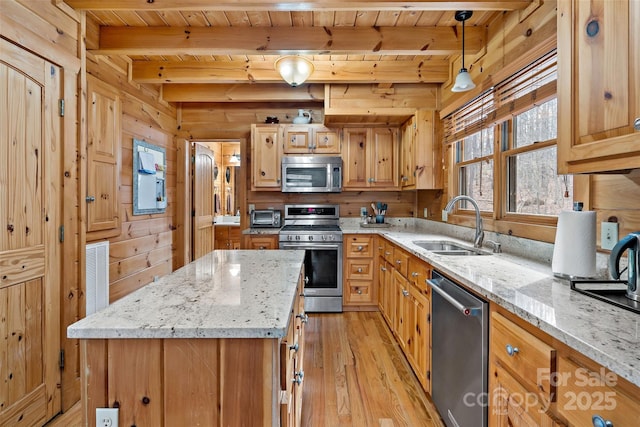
(208, 344)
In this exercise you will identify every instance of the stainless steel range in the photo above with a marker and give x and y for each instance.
(316, 229)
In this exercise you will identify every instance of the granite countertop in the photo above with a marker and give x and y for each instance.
(224, 294)
(607, 334)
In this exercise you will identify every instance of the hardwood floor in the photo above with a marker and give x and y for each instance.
(356, 375)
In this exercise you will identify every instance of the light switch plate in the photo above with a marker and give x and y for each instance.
(608, 235)
(425, 213)
(252, 208)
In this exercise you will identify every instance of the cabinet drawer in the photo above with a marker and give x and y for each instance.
(401, 261)
(419, 271)
(584, 393)
(388, 251)
(531, 360)
(359, 247)
(360, 269)
(359, 291)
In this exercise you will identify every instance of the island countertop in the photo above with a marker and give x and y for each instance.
(224, 294)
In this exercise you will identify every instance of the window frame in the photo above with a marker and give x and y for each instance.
(538, 227)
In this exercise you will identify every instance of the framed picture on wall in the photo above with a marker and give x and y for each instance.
(149, 186)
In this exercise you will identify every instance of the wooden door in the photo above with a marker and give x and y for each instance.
(297, 139)
(408, 164)
(30, 252)
(354, 158)
(103, 157)
(203, 201)
(266, 155)
(383, 160)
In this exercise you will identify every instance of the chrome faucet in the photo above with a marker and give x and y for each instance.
(477, 241)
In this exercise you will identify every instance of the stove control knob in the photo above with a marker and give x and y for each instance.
(310, 237)
(289, 237)
(297, 237)
(324, 237)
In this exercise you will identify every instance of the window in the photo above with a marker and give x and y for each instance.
(505, 147)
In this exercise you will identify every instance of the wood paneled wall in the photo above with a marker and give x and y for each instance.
(53, 31)
(142, 248)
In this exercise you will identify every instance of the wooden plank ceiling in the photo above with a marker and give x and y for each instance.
(202, 50)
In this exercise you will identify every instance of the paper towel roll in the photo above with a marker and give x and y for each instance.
(574, 252)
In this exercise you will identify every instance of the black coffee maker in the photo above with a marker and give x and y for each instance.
(629, 243)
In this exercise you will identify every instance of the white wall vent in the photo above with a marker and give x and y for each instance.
(97, 276)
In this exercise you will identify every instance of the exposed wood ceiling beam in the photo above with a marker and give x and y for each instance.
(282, 40)
(278, 5)
(277, 92)
(436, 71)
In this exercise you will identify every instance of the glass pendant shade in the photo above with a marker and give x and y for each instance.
(463, 82)
(294, 69)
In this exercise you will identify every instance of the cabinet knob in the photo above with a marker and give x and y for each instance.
(598, 421)
(414, 274)
(359, 269)
(405, 292)
(304, 317)
(360, 248)
(294, 347)
(387, 253)
(90, 199)
(383, 269)
(636, 124)
(511, 351)
(298, 376)
(359, 291)
(398, 262)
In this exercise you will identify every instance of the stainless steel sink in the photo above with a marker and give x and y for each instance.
(445, 247)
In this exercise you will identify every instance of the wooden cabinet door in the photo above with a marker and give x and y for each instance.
(30, 252)
(103, 157)
(261, 242)
(428, 151)
(421, 336)
(355, 158)
(266, 155)
(598, 85)
(384, 295)
(408, 155)
(203, 202)
(383, 158)
(326, 141)
(297, 139)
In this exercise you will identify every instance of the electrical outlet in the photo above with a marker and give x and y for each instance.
(252, 208)
(444, 215)
(363, 211)
(106, 417)
(608, 235)
(425, 213)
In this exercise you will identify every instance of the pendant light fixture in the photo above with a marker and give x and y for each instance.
(463, 79)
(294, 69)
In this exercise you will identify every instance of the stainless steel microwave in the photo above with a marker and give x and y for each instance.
(311, 174)
(265, 218)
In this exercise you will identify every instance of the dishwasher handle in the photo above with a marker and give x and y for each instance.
(467, 311)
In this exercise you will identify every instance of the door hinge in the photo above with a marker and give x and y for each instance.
(61, 361)
(429, 318)
(193, 159)
(61, 233)
(61, 107)
(193, 213)
(429, 375)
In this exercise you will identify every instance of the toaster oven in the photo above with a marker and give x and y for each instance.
(265, 218)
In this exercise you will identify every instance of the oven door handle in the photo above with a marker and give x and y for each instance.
(467, 311)
(310, 247)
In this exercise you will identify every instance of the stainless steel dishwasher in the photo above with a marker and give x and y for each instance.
(459, 341)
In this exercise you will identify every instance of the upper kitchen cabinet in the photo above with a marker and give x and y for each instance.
(420, 153)
(598, 85)
(103, 157)
(311, 139)
(266, 154)
(370, 157)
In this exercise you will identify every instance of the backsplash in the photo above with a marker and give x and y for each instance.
(533, 250)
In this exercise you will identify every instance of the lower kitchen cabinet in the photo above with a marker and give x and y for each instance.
(586, 390)
(262, 241)
(359, 288)
(227, 236)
